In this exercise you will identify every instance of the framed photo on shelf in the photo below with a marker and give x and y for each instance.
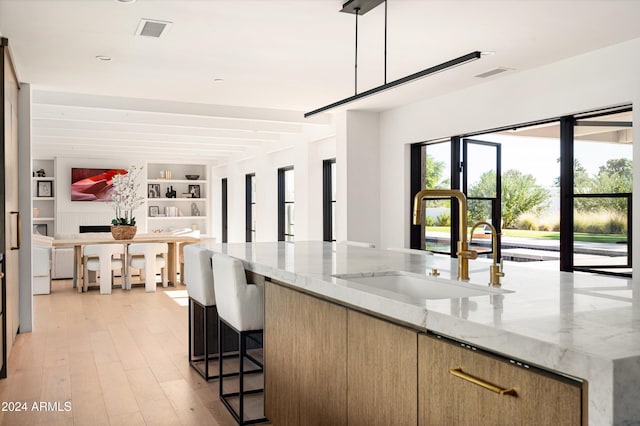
(154, 211)
(153, 190)
(45, 188)
(194, 190)
(40, 229)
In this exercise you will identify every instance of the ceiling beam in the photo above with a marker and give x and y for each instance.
(172, 107)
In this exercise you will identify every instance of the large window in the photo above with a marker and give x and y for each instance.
(560, 189)
(602, 185)
(329, 199)
(250, 207)
(286, 204)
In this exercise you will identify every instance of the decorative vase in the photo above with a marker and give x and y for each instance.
(123, 232)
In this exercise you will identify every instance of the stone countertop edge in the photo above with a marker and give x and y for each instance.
(527, 338)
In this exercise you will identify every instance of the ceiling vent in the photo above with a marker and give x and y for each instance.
(493, 72)
(152, 28)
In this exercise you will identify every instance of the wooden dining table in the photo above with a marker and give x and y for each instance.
(79, 241)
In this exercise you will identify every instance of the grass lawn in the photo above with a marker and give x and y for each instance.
(550, 235)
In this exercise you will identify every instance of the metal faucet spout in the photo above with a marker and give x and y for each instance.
(463, 253)
(495, 271)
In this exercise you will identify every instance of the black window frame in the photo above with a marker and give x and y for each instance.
(567, 123)
(249, 180)
(328, 200)
(282, 235)
(224, 211)
(567, 259)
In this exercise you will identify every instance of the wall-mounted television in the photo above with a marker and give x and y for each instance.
(93, 184)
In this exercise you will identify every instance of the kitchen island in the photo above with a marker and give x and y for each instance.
(578, 325)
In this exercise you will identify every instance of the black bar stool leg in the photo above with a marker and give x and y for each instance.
(220, 358)
(205, 315)
(243, 350)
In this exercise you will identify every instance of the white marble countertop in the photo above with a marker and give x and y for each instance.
(584, 325)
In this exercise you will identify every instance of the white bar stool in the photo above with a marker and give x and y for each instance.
(198, 276)
(101, 258)
(148, 257)
(241, 307)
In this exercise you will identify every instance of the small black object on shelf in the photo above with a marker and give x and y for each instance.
(171, 193)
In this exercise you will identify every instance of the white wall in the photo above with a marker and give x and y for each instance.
(306, 158)
(606, 77)
(358, 169)
(26, 205)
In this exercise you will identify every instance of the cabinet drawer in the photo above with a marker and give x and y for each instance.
(487, 389)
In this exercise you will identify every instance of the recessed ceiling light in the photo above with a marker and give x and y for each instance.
(218, 80)
(126, 1)
(487, 53)
(103, 58)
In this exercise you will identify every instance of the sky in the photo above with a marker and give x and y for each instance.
(534, 156)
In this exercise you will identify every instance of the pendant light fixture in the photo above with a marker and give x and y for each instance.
(360, 7)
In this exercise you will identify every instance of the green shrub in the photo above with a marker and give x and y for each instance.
(602, 222)
(527, 223)
(443, 219)
(547, 227)
(429, 221)
(617, 224)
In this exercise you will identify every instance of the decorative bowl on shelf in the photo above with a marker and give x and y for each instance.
(192, 177)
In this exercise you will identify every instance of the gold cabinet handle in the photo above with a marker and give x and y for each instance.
(19, 228)
(489, 386)
(1, 275)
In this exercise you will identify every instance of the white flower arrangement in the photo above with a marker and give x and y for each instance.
(125, 198)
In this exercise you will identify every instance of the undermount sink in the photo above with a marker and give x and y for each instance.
(416, 286)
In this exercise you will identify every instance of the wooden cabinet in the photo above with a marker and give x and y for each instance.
(305, 352)
(446, 399)
(326, 364)
(10, 230)
(381, 371)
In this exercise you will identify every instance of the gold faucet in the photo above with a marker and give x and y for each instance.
(495, 270)
(463, 253)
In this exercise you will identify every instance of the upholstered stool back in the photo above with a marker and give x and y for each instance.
(240, 304)
(198, 274)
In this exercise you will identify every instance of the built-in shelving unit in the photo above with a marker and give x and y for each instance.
(188, 209)
(43, 197)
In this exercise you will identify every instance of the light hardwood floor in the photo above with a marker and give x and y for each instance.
(120, 359)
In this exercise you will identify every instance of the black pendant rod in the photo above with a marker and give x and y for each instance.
(385, 42)
(357, 10)
(420, 74)
(363, 6)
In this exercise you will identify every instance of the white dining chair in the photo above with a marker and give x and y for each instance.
(102, 259)
(148, 257)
